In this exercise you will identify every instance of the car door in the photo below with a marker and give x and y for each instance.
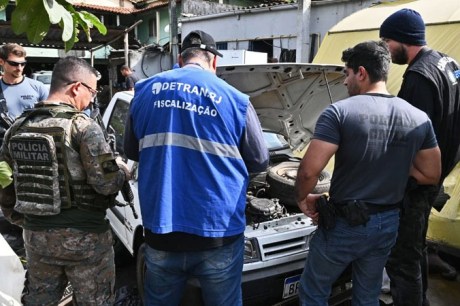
(115, 117)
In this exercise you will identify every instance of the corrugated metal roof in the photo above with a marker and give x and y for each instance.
(267, 5)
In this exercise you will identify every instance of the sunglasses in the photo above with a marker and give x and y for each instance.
(15, 64)
(91, 90)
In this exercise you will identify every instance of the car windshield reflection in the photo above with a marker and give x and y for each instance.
(275, 141)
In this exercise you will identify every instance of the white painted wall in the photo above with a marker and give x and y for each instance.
(278, 23)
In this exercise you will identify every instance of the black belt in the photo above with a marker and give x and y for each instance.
(372, 209)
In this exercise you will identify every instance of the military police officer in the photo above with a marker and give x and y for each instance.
(65, 177)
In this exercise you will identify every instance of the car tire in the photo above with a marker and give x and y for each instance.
(281, 179)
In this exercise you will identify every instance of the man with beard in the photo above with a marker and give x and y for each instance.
(430, 83)
(373, 159)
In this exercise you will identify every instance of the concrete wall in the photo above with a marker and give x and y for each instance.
(238, 27)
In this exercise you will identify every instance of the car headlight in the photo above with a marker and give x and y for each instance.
(251, 250)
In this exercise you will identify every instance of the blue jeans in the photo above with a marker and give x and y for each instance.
(218, 270)
(365, 246)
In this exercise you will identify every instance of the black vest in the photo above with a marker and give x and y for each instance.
(443, 72)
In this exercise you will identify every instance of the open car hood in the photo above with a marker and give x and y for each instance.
(288, 97)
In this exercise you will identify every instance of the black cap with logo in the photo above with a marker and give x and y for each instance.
(202, 40)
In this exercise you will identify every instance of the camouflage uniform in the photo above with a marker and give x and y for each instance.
(75, 244)
(55, 256)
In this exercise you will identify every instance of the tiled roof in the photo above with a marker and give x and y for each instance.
(152, 5)
(111, 9)
(123, 10)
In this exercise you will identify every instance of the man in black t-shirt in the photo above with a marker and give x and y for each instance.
(431, 84)
(131, 78)
(378, 141)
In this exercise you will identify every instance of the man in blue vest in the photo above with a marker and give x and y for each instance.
(196, 138)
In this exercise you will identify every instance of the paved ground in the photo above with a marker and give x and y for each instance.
(444, 292)
(441, 292)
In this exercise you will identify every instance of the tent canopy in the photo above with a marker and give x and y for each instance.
(442, 19)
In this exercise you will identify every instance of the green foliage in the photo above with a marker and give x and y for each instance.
(3, 4)
(5, 174)
(34, 17)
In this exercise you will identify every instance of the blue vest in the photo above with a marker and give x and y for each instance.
(192, 177)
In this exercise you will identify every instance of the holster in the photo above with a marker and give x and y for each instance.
(327, 213)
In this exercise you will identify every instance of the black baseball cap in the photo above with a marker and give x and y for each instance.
(206, 42)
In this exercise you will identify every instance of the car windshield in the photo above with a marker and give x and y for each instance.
(45, 79)
(275, 141)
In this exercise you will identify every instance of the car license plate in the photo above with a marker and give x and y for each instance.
(291, 286)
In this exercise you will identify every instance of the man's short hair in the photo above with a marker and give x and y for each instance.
(12, 48)
(70, 69)
(374, 56)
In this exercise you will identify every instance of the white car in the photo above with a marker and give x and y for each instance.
(43, 76)
(288, 99)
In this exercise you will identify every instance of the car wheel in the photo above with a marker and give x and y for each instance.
(324, 182)
(281, 179)
(140, 270)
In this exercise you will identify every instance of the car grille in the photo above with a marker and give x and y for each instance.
(272, 248)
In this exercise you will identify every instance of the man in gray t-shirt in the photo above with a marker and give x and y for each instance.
(377, 136)
(378, 141)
